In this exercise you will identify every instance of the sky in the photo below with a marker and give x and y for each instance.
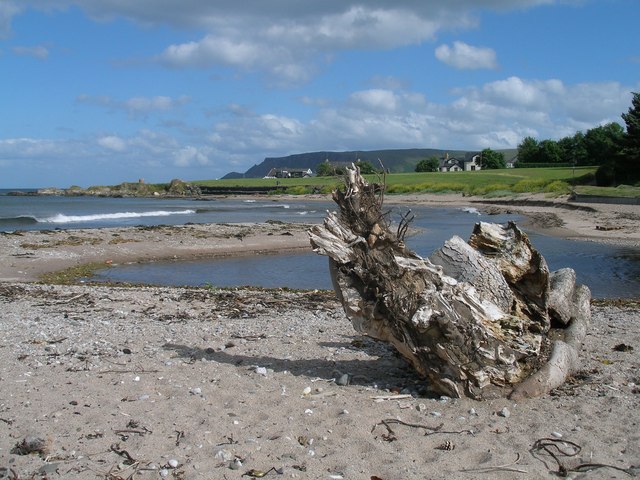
(99, 92)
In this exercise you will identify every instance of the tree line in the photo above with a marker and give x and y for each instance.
(614, 150)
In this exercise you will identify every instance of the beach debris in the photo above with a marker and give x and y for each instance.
(446, 446)
(621, 347)
(482, 319)
(31, 444)
(557, 448)
(255, 473)
(129, 460)
(428, 430)
(508, 467)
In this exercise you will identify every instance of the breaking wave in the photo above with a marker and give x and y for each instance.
(62, 218)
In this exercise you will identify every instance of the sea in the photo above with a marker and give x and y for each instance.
(609, 271)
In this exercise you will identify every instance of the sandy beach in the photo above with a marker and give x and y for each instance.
(146, 382)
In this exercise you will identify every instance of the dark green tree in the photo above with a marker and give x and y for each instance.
(490, 159)
(431, 164)
(631, 139)
(603, 143)
(549, 152)
(325, 169)
(573, 149)
(627, 164)
(528, 150)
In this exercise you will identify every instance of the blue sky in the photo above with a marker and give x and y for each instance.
(98, 92)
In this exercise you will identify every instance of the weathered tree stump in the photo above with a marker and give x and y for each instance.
(480, 319)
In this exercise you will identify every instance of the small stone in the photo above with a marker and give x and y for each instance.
(196, 391)
(308, 411)
(556, 434)
(436, 414)
(343, 379)
(137, 379)
(164, 472)
(173, 463)
(504, 412)
(306, 391)
(472, 411)
(223, 455)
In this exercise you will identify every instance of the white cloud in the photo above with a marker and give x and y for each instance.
(496, 115)
(112, 142)
(467, 57)
(39, 51)
(190, 155)
(290, 39)
(375, 100)
(8, 9)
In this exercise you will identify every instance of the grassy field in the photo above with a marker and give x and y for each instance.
(626, 191)
(491, 183)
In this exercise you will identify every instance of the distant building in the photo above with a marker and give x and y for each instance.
(471, 162)
(289, 173)
(511, 163)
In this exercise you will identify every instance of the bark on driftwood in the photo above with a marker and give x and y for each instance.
(475, 318)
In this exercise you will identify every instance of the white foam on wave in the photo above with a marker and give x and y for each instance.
(62, 218)
(470, 210)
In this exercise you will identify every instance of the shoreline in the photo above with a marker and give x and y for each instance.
(26, 255)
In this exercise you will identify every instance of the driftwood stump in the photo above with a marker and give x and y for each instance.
(480, 319)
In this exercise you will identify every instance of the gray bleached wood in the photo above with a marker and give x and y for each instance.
(474, 318)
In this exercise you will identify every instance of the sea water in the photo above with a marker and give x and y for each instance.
(40, 212)
(610, 271)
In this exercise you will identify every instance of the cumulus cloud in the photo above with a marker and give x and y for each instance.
(467, 57)
(288, 39)
(496, 115)
(375, 100)
(190, 155)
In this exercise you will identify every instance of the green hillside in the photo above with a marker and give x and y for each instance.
(394, 160)
(497, 183)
